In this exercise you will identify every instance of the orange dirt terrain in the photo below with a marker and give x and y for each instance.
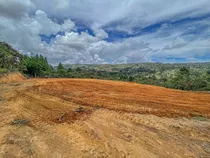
(5, 78)
(64, 118)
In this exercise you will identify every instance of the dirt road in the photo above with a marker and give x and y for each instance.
(117, 119)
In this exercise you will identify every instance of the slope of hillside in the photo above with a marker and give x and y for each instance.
(9, 77)
(9, 57)
(183, 76)
(128, 97)
(42, 118)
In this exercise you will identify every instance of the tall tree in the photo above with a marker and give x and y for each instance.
(61, 70)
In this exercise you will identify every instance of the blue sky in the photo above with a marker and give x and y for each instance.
(107, 31)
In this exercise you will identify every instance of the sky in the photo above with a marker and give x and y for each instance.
(108, 31)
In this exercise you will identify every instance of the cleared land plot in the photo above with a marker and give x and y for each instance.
(95, 118)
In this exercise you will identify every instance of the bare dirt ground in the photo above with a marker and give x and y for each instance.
(119, 120)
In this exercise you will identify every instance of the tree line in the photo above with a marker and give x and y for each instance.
(178, 77)
(182, 78)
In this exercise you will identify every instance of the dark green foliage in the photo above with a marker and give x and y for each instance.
(130, 78)
(184, 71)
(61, 71)
(35, 65)
(60, 67)
(9, 58)
(184, 80)
(188, 76)
(12, 60)
(69, 70)
(195, 77)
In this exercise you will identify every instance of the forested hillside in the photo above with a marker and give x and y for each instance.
(9, 58)
(12, 60)
(184, 76)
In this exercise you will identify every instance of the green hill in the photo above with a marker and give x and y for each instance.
(9, 58)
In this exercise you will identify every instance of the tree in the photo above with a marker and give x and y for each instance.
(123, 77)
(35, 65)
(130, 78)
(208, 76)
(69, 70)
(181, 80)
(184, 71)
(78, 69)
(60, 69)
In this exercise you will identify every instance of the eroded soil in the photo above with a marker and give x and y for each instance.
(118, 120)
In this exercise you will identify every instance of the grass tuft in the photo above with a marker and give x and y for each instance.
(200, 118)
(20, 122)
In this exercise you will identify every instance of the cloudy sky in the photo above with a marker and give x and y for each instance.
(108, 31)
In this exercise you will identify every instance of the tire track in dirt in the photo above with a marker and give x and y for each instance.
(153, 135)
(128, 97)
(107, 129)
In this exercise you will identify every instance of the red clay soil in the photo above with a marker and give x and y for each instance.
(128, 97)
(113, 121)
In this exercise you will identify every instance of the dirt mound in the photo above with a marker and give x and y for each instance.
(94, 118)
(9, 77)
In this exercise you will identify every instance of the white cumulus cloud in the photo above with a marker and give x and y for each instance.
(184, 31)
